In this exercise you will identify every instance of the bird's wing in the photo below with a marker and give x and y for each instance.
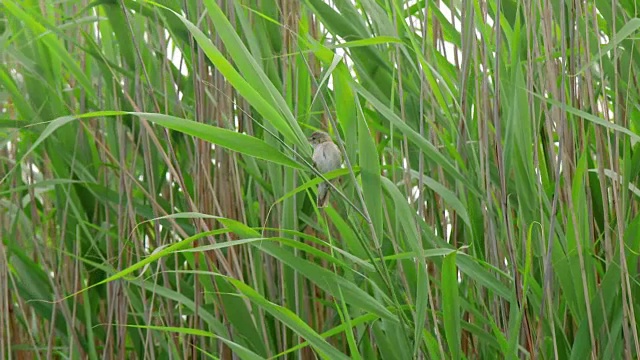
(337, 159)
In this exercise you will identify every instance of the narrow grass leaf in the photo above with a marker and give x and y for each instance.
(450, 304)
(290, 319)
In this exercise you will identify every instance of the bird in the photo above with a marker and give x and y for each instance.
(326, 157)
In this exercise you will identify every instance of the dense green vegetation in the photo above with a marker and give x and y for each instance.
(157, 193)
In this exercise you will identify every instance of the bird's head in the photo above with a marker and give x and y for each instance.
(318, 137)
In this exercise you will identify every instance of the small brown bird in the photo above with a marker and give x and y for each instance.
(326, 157)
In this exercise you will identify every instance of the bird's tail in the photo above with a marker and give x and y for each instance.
(323, 195)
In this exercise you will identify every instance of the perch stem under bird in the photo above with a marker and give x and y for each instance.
(326, 157)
